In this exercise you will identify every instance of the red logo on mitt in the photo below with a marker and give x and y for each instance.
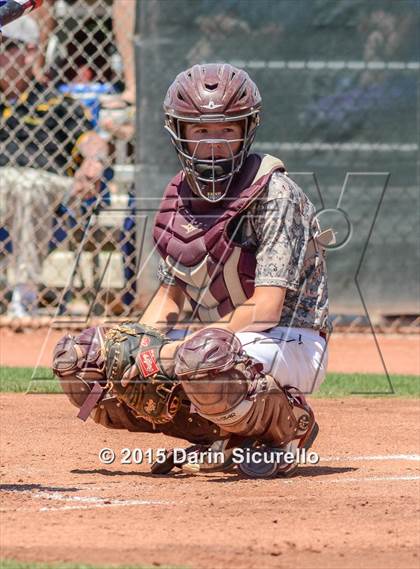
(148, 364)
(145, 341)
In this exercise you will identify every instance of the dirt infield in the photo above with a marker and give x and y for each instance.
(356, 509)
(348, 353)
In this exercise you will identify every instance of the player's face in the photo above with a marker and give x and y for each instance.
(216, 135)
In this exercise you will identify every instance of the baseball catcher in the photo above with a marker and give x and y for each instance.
(238, 240)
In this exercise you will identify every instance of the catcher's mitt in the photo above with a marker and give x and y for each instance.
(151, 394)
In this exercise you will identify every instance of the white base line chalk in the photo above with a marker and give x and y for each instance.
(107, 504)
(376, 478)
(352, 480)
(86, 502)
(413, 457)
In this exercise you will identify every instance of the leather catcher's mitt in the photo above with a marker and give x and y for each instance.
(151, 394)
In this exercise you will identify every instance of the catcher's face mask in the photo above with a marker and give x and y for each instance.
(210, 153)
(212, 113)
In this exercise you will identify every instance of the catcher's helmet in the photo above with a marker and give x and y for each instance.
(215, 92)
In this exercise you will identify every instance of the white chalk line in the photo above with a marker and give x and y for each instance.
(377, 478)
(96, 500)
(86, 502)
(90, 502)
(354, 480)
(413, 457)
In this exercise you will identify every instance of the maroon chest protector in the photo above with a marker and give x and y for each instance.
(199, 242)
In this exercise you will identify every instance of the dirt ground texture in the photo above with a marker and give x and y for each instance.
(358, 508)
(348, 353)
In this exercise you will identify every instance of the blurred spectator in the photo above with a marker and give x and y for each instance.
(119, 122)
(86, 53)
(123, 23)
(120, 126)
(44, 16)
(51, 160)
(87, 50)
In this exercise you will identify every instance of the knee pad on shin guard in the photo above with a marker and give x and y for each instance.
(229, 388)
(78, 363)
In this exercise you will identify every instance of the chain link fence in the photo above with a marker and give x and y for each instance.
(339, 84)
(340, 88)
(67, 228)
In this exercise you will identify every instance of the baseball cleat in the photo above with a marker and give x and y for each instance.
(262, 461)
(218, 457)
(169, 463)
(290, 469)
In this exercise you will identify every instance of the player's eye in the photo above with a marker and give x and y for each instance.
(230, 130)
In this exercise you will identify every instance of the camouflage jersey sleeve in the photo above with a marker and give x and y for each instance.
(281, 220)
(283, 223)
